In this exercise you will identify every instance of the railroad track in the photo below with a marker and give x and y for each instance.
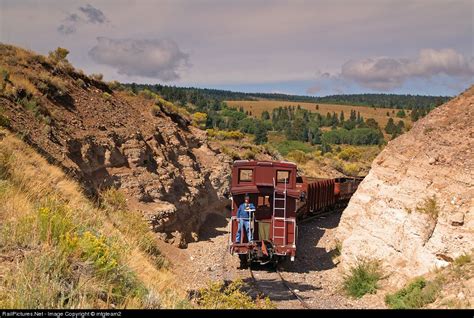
(284, 283)
(321, 215)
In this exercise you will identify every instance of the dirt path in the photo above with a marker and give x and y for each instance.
(313, 275)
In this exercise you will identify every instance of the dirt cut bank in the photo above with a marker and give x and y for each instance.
(415, 209)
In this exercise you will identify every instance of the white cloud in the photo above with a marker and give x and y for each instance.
(386, 73)
(156, 58)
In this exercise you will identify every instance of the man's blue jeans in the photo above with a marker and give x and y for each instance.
(246, 225)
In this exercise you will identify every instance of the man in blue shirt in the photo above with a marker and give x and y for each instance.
(244, 214)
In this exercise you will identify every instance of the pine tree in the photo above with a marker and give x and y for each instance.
(390, 128)
(265, 115)
(260, 133)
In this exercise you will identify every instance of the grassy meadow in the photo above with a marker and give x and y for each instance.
(379, 114)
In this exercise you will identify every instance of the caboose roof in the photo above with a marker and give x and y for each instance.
(251, 163)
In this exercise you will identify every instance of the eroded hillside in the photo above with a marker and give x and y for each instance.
(106, 139)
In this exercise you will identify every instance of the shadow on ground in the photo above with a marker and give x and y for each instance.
(214, 225)
(310, 256)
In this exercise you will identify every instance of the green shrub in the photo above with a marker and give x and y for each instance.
(156, 110)
(58, 58)
(350, 154)
(104, 256)
(113, 199)
(218, 296)
(147, 243)
(363, 278)
(114, 85)
(147, 94)
(60, 54)
(30, 104)
(106, 96)
(463, 259)
(336, 163)
(93, 248)
(429, 207)
(271, 150)
(97, 76)
(167, 107)
(231, 153)
(416, 295)
(4, 78)
(54, 222)
(248, 155)
(284, 147)
(4, 121)
(199, 120)
(80, 83)
(51, 85)
(336, 252)
(297, 156)
(351, 169)
(4, 75)
(36, 58)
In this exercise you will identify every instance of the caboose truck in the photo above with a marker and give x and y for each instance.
(280, 197)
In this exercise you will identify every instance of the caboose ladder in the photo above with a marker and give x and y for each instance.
(275, 209)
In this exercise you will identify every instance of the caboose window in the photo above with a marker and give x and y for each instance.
(283, 176)
(245, 175)
(263, 201)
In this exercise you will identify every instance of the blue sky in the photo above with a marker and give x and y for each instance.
(295, 47)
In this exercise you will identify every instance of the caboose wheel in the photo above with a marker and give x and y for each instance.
(274, 263)
(244, 261)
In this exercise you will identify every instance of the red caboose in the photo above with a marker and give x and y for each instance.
(280, 197)
(271, 187)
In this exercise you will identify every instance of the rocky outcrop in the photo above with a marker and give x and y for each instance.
(415, 209)
(172, 177)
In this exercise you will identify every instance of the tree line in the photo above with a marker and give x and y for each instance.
(294, 122)
(183, 95)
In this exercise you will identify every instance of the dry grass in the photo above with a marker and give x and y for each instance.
(63, 252)
(379, 114)
(23, 83)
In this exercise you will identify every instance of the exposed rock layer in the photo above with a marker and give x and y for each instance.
(415, 209)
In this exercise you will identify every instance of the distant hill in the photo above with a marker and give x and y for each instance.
(194, 95)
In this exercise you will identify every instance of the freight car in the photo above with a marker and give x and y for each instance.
(281, 198)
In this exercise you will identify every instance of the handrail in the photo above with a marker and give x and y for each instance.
(232, 218)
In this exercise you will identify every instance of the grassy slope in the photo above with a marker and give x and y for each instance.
(446, 288)
(341, 160)
(57, 250)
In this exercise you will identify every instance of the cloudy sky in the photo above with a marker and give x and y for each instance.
(298, 47)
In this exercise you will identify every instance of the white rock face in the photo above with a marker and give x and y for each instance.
(386, 218)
